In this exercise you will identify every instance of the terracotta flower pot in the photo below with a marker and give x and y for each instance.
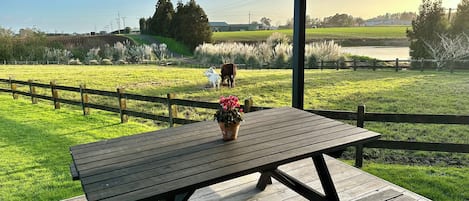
(230, 132)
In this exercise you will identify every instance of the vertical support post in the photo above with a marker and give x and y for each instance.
(322, 64)
(13, 88)
(359, 148)
(122, 105)
(374, 65)
(247, 105)
(172, 109)
(299, 37)
(337, 65)
(84, 99)
(354, 65)
(32, 91)
(421, 65)
(55, 94)
(397, 64)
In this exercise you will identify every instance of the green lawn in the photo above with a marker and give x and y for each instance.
(34, 147)
(391, 32)
(35, 138)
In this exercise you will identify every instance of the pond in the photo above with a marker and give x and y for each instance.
(379, 52)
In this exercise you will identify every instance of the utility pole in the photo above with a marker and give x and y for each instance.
(123, 21)
(118, 23)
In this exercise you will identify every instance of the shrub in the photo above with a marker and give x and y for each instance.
(74, 62)
(106, 62)
(93, 62)
(276, 52)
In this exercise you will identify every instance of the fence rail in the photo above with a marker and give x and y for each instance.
(374, 64)
(360, 116)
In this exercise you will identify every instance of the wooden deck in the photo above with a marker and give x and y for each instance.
(351, 184)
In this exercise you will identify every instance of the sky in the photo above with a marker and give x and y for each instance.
(84, 16)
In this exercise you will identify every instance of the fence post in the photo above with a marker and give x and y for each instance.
(122, 105)
(172, 109)
(374, 65)
(359, 148)
(84, 99)
(338, 65)
(397, 64)
(354, 65)
(32, 91)
(247, 105)
(13, 88)
(55, 94)
(322, 64)
(421, 65)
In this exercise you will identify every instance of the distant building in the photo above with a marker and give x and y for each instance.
(223, 26)
(219, 26)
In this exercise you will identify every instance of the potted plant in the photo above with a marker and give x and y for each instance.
(229, 116)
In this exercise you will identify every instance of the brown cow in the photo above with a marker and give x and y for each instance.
(228, 72)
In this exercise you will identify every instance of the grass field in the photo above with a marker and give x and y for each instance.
(40, 146)
(391, 32)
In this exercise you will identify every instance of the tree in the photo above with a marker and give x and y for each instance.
(339, 20)
(461, 19)
(143, 25)
(161, 20)
(266, 22)
(448, 48)
(190, 25)
(428, 24)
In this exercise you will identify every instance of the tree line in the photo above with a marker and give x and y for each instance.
(188, 23)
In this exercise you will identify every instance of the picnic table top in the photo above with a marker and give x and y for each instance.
(166, 162)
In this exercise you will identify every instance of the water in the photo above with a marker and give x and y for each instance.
(379, 52)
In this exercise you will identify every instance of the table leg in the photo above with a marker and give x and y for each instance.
(264, 180)
(325, 177)
(182, 196)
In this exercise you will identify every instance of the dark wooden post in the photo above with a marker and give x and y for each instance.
(55, 95)
(13, 88)
(354, 65)
(247, 105)
(338, 65)
(122, 105)
(32, 91)
(421, 65)
(397, 64)
(322, 64)
(172, 109)
(84, 99)
(374, 64)
(361, 124)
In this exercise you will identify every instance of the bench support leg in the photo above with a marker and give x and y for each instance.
(296, 185)
(325, 177)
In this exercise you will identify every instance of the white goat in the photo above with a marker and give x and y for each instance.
(213, 77)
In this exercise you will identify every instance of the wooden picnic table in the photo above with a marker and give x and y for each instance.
(170, 164)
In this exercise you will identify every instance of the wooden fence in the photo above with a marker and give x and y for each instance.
(360, 116)
(374, 64)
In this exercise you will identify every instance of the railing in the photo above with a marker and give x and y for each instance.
(360, 116)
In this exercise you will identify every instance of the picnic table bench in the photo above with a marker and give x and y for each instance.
(170, 164)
